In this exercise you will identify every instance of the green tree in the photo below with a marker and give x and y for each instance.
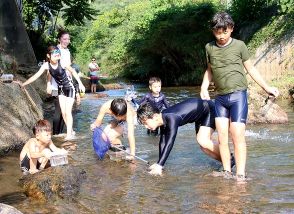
(41, 18)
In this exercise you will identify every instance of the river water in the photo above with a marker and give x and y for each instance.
(186, 186)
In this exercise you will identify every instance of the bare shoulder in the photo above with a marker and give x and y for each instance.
(45, 66)
(30, 142)
(106, 106)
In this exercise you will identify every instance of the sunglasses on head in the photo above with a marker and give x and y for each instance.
(55, 51)
(93, 60)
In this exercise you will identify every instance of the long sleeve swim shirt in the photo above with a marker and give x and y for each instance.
(188, 111)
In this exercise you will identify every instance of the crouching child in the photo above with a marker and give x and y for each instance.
(38, 150)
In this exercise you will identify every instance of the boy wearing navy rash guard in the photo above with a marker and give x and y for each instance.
(193, 110)
(155, 97)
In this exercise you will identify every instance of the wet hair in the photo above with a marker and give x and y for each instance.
(50, 50)
(222, 20)
(153, 80)
(42, 125)
(61, 33)
(146, 111)
(118, 107)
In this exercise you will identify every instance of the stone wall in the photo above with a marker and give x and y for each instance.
(272, 61)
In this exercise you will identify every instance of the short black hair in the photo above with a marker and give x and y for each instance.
(153, 80)
(146, 111)
(222, 20)
(118, 107)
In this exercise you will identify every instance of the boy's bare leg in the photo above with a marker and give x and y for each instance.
(33, 165)
(206, 144)
(238, 135)
(44, 160)
(222, 127)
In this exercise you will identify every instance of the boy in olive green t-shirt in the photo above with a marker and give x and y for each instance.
(226, 59)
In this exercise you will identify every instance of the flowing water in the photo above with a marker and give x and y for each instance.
(186, 186)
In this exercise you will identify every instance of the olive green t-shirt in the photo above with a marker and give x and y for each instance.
(227, 65)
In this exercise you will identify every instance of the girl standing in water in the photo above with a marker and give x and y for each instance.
(66, 90)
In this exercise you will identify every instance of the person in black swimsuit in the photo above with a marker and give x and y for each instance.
(66, 89)
(193, 110)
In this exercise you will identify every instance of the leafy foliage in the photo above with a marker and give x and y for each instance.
(152, 38)
(41, 17)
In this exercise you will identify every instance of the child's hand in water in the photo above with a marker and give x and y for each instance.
(129, 157)
(155, 169)
(93, 126)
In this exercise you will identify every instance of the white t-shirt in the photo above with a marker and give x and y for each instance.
(93, 66)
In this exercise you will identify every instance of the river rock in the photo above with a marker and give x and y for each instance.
(100, 86)
(6, 209)
(19, 112)
(53, 183)
(263, 110)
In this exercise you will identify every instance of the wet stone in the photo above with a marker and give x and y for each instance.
(54, 183)
(6, 209)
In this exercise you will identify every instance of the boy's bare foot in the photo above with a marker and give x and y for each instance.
(70, 138)
(224, 173)
(242, 179)
(33, 171)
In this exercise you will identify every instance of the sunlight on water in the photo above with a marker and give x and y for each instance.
(186, 186)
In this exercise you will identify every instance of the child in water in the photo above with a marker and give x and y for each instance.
(193, 110)
(66, 89)
(226, 59)
(155, 98)
(124, 117)
(38, 150)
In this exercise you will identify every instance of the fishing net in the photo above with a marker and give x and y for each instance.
(101, 142)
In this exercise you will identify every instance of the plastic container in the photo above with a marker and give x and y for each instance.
(58, 160)
(116, 156)
(7, 78)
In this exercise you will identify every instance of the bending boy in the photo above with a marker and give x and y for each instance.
(193, 110)
(124, 115)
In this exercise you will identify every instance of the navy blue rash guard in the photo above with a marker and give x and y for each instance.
(159, 102)
(191, 110)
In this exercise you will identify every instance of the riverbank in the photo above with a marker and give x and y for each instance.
(21, 108)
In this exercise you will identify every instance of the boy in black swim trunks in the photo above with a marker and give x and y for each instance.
(193, 110)
(123, 123)
(38, 150)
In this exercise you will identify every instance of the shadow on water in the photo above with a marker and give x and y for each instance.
(186, 186)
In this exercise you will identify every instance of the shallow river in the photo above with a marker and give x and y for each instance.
(186, 186)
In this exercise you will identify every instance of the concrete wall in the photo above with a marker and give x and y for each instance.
(272, 61)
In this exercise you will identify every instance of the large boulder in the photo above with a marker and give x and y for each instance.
(6, 209)
(20, 109)
(53, 183)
